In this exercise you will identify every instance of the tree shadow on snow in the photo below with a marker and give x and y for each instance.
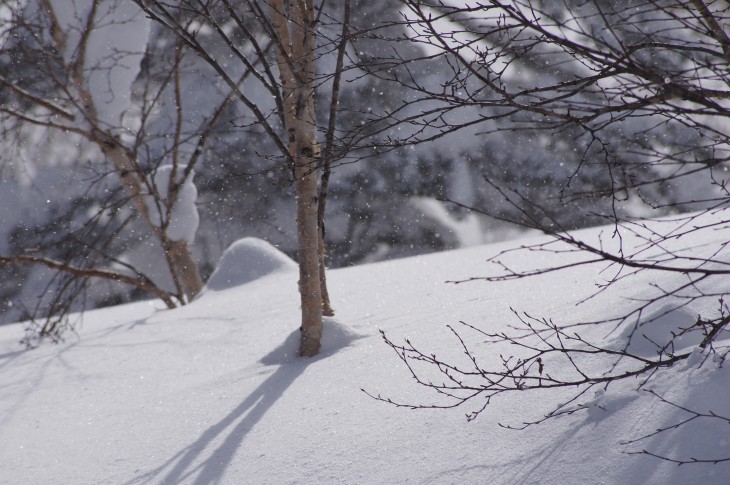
(185, 464)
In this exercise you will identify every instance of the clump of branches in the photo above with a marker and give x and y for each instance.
(121, 104)
(642, 89)
(538, 354)
(549, 357)
(78, 247)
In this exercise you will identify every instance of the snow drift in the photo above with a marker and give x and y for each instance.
(247, 260)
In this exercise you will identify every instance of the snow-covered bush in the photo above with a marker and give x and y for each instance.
(179, 217)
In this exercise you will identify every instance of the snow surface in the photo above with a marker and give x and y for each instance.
(213, 393)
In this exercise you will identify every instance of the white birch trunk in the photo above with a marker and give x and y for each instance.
(296, 38)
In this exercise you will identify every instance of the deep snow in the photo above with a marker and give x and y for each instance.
(213, 392)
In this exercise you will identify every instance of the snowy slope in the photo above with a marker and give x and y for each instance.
(212, 392)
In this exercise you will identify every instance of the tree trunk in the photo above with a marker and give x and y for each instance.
(296, 42)
(328, 156)
(308, 232)
(327, 309)
(76, 84)
(186, 267)
(183, 267)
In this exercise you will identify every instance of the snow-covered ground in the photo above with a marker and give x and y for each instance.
(213, 392)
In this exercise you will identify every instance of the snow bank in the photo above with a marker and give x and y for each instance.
(247, 260)
(467, 232)
(218, 384)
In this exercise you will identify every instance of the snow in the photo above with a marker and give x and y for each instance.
(246, 260)
(114, 51)
(467, 231)
(657, 330)
(6, 14)
(212, 392)
(184, 219)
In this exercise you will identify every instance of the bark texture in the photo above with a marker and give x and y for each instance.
(294, 29)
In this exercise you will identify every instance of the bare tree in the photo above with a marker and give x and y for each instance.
(296, 43)
(287, 115)
(93, 53)
(642, 91)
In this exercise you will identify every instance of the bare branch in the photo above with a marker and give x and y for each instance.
(140, 281)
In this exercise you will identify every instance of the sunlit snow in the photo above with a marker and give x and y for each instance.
(213, 392)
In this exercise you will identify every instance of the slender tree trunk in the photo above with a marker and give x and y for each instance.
(327, 309)
(294, 29)
(186, 267)
(309, 283)
(328, 156)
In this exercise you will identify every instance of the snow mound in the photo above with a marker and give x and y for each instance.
(336, 336)
(657, 330)
(246, 260)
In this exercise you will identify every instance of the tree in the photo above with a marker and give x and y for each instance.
(296, 43)
(86, 87)
(642, 90)
(289, 118)
(179, 110)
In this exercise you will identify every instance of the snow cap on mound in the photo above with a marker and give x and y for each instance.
(246, 260)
